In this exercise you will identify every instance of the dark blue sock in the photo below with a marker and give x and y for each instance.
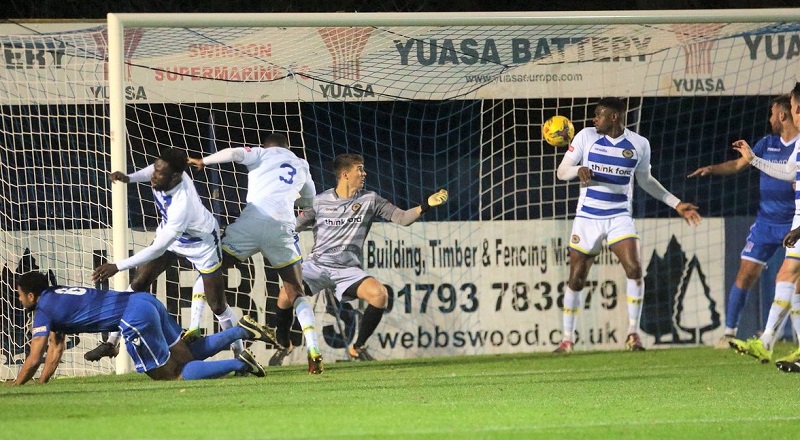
(736, 301)
(213, 344)
(211, 369)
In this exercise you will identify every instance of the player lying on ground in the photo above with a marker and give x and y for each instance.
(187, 229)
(153, 338)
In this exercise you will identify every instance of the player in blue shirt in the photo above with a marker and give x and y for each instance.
(152, 337)
(775, 211)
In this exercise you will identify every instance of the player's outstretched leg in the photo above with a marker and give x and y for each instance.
(210, 345)
(104, 349)
(253, 367)
(258, 332)
(245, 362)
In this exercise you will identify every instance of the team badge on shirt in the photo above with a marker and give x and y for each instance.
(627, 154)
(356, 207)
(575, 239)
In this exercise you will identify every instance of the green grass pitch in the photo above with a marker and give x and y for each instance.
(659, 394)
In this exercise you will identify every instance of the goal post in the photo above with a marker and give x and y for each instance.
(430, 100)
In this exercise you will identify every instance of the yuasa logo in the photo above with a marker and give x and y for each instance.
(774, 47)
(131, 40)
(698, 41)
(346, 44)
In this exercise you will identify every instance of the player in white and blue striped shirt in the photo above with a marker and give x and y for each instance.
(606, 159)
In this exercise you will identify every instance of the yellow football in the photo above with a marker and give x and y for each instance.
(558, 131)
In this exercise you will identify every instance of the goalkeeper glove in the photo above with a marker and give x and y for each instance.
(435, 199)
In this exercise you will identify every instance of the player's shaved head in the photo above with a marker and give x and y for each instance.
(275, 140)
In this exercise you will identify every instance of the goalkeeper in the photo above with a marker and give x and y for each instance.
(341, 218)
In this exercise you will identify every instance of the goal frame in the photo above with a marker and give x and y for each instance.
(117, 22)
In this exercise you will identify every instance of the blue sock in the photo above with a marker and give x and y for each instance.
(736, 301)
(211, 369)
(213, 344)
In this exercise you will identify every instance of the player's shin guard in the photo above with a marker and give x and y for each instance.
(778, 311)
(369, 322)
(635, 293)
(305, 316)
(283, 325)
(198, 303)
(795, 314)
(736, 301)
(572, 305)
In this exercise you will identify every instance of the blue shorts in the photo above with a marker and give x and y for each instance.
(149, 331)
(764, 239)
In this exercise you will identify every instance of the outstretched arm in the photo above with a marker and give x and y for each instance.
(783, 172)
(653, 187)
(164, 238)
(224, 156)
(721, 169)
(58, 342)
(689, 213)
(32, 362)
(409, 216)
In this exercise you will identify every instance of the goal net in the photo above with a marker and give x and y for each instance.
(430, 101)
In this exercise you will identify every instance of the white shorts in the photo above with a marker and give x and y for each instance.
(588, 233)
(203, 252)
(794, 251)
(339, 279)
(252, 233)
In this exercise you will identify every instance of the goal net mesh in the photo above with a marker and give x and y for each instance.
(454, 107)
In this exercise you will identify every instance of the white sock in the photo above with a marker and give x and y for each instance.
(796, 315)
(113, 338)
(778, 312)
(227, 320)
(305, 316)
(730, 331)
(572, 305)
(198, 303)
(635, 294)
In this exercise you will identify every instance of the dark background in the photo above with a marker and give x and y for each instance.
(74, 9)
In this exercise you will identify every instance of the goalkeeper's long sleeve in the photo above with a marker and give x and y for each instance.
(405, 217)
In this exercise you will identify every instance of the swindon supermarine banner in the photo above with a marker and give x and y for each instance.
(68, 62)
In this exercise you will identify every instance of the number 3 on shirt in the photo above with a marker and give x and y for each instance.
(291, 171)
